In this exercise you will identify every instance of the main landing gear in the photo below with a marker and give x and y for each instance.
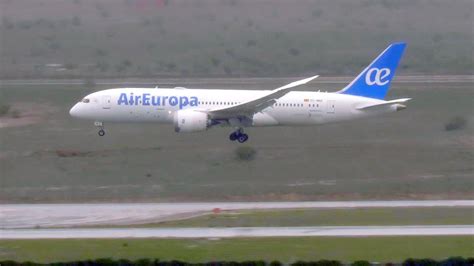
(100, 125)
(239, 135)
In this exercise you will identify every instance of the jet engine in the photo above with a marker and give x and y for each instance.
(190, 121)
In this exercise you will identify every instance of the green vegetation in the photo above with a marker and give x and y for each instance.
(330, 217)
(455, 123)
(156, 262)
(389, 157)
(381, 249)
(7, 110)
(217, 38)
(4, 109)
(245, 153)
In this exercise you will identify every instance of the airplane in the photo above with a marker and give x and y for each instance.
(194, 110)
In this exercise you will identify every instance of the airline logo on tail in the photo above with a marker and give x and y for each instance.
(374, 81)
(377, 76)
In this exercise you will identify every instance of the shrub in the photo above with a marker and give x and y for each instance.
(245, 153)
(173, 263)
(253, 263)
(299, 263)
(420, 262)
(361, 263)
(9, 263)
(455, 123)
(124, 262)
(215, 61)
(105, 262)
(15, 114)
(54, 46)
(328, 263)
(294, 51)
(143, 262)
(455, 261)
(126, 63)
(251, 43)
(4, 109)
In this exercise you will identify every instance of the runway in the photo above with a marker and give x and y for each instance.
(335, 231)
(22, 216)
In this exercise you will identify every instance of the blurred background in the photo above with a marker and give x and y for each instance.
(229, 38)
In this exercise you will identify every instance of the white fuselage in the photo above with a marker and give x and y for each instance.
(193, 110)
(158, 105)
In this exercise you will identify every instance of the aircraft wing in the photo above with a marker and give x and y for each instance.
(256, 105)
(385, 103)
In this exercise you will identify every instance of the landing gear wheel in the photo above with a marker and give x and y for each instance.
(239, 135)
(243, 138)
(100, 126)
(233, 136)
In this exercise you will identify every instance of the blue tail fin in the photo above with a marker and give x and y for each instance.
(374, 81)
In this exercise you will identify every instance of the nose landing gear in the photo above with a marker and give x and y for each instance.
(239, 135)
(100, 125)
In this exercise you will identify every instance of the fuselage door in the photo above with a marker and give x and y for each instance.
(106, 102)
(331, 107)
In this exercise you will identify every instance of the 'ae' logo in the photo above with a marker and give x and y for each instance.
(377, 76)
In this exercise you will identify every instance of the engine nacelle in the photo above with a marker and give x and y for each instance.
(190, 121)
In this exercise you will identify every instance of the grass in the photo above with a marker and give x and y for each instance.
(381, 249)
(4, 109)
(214, 38)
(388, 157)
(331, 217)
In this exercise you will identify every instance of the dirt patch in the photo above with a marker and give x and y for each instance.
(72, 153)
(466, 141)
(23, 114)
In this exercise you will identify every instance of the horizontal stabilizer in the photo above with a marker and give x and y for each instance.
(370, 106)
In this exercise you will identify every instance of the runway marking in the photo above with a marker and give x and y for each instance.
(335, 231)
(16, 216)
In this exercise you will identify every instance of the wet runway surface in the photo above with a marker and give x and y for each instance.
(238, 232)
(23, 216)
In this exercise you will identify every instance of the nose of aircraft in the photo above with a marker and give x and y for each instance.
(74, 112)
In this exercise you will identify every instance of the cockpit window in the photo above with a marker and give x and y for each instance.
(85, 100)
